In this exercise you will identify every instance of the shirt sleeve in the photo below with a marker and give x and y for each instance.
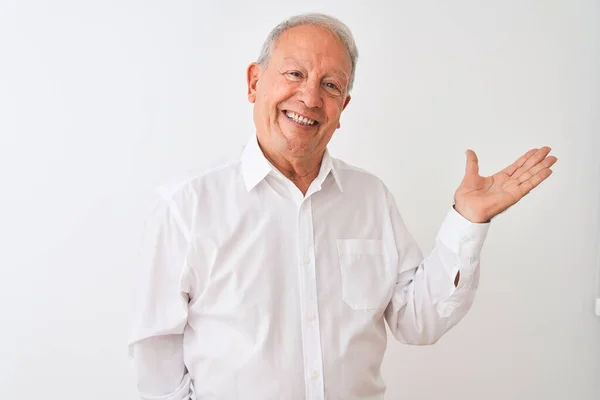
(160, 306)
(426, 303)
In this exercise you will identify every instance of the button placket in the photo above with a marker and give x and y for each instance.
(313, 356)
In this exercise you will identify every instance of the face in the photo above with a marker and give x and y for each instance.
(300, 94)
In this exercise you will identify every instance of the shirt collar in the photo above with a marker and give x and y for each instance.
(256, 167)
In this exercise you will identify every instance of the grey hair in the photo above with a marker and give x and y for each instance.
(330, 23)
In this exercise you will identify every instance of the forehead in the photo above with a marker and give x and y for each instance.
(314, 45)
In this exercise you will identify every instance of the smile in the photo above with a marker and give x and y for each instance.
(300, 119)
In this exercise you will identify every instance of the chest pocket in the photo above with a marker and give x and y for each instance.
(366, 272)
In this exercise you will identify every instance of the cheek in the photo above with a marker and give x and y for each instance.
(281, 91)
(265, 106)
(333, 112)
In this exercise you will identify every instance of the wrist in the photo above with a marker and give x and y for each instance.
(470, 216)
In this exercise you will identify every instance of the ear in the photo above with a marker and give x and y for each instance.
(343, 108)
(252, 75)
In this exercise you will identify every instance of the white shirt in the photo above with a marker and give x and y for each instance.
(249, 290)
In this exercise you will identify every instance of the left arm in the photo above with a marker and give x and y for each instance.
(434, 293)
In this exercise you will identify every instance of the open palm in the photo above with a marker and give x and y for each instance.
(479, 199)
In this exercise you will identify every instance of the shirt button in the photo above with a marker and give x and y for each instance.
(315, 375)
(306, 260)
(311, 317)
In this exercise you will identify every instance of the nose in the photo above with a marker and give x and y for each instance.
(311, 94)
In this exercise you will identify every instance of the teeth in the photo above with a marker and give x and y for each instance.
(299, 119)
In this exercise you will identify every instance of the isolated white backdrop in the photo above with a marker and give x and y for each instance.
(101, 101)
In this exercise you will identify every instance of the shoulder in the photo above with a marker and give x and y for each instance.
(177, 199)
(189, 185)
(356, 177)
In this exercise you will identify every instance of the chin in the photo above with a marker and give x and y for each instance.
(293, 143)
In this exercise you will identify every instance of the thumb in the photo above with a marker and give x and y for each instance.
(472, 163)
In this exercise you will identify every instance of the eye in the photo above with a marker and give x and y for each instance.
(295, 74)
(333, 88)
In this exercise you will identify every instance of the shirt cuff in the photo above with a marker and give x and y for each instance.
(183, 392)
(463, 237)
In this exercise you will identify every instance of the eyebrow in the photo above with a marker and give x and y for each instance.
(336, 72)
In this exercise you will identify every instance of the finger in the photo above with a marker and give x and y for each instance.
(519, 163)
(534, 181)
(472, 163)
(546, 163)
(532, 161)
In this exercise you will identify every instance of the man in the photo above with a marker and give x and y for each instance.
(272, 276)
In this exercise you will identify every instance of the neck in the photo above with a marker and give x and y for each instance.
(301, 171)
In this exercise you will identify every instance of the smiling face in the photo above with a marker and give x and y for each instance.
(300, 94)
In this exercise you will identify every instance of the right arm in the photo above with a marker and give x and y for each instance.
(161, 295)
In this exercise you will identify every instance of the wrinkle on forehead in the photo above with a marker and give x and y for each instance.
(317, 42)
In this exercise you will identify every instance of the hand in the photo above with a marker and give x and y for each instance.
(479, 199)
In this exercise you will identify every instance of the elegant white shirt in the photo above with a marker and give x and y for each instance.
(249, 290)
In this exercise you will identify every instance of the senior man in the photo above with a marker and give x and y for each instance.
(272, 276)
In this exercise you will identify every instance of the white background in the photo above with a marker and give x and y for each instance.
(101, 101)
